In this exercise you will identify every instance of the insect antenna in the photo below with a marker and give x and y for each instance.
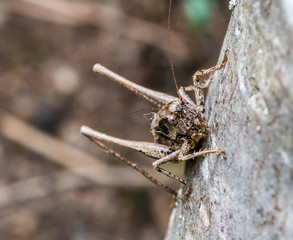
(169, 50)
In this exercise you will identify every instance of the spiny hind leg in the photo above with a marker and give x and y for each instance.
(169, 158)
(197, 86)
(133, 165)
(177, 179)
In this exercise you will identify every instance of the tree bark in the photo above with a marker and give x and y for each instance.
(248, 194)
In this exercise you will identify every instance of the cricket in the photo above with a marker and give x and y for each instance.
(178, 127)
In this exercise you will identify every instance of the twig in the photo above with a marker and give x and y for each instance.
(33, 139)
(85, 12)
(36, 187)
(61, 153)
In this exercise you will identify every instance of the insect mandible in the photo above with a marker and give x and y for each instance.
(178, 127)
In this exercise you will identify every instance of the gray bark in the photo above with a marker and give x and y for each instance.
(249, 194)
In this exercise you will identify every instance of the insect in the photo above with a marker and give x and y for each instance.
(178, 127)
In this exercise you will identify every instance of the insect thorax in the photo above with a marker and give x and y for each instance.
(177, 122)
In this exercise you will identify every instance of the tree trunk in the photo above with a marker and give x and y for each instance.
(248, 194)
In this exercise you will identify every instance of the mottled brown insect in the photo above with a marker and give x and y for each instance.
(178, 127)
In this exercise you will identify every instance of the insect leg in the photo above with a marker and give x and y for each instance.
(153, 150)
(189, 88)
(203, 72)
(133, 165)
(169, 158)
(198, 86)
(200, 153)
(155, 97)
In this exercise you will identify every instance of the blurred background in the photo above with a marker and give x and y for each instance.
(55, 183)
